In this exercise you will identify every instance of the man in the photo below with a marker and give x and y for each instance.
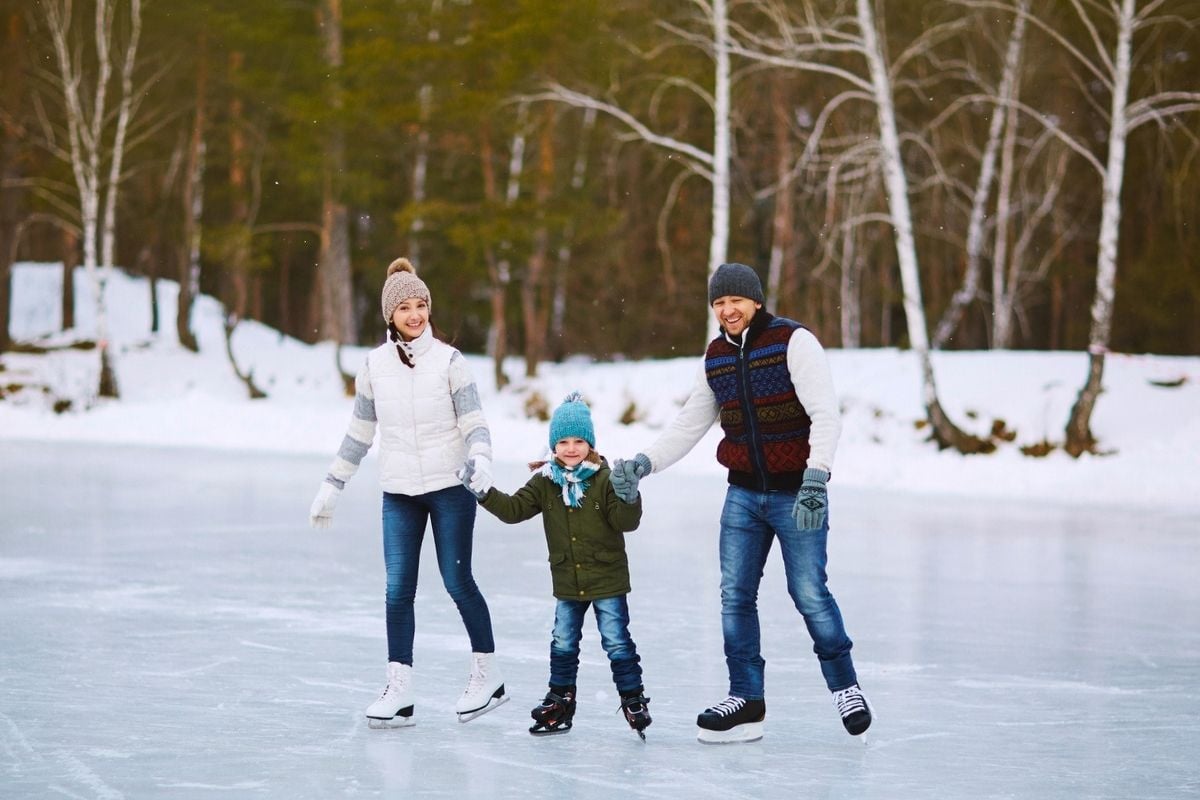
(767, 380)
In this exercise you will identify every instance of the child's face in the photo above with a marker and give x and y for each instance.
(411, 317)
(571, 450)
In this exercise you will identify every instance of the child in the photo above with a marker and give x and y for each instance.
(584, 519)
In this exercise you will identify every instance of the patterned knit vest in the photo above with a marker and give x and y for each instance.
(766, 427)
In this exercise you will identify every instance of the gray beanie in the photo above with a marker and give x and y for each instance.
(402, 284)
(736, 280)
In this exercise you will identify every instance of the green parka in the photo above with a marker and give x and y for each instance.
(586, 544)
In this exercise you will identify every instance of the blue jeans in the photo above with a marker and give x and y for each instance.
(452, 512)
(612, 618)
(750, 521)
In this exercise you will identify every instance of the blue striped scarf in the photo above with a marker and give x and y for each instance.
(573, 480)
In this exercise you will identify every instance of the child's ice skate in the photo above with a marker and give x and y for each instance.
(555, 712)
(636, 707)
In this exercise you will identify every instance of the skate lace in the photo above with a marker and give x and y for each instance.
(728, 706)
(474, 682)
(849, 700)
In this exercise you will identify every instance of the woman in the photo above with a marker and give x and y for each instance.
(420, 394)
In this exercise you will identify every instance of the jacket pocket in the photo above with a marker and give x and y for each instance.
(557, 558)
(610, 556)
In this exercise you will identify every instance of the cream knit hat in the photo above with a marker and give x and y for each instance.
(402, 283)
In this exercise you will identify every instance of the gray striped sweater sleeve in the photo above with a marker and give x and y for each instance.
(359, 435)
(468, 409)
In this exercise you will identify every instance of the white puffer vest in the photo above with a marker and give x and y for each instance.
(420, 444)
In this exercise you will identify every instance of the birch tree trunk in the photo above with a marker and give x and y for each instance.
(719, 243)
(333, 270)
(1009, 81)
(86, 124)
(1002, 292)
(1079, 438)
(896, 184)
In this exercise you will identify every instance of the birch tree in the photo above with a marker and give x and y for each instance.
(976, 232)
(1125, 117)
(1110, 62)
(84, 80)
(807, 43)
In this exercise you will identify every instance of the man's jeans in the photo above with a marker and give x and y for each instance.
(452, 512)
(750, 521)
(612, 618)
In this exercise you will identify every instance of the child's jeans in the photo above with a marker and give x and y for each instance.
(612, 618)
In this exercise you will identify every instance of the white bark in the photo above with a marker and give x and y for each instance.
(895, 181)
(1009, 81)
(718, 248)
(1114, 174)
(86, 126)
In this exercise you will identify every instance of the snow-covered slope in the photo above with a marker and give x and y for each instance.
(173, 397)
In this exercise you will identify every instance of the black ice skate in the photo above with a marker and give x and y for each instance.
(734, 719)
(854, 708)
(555, 712)
(636, 707)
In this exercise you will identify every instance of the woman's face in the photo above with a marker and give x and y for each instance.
(571, 450)
(411, 318)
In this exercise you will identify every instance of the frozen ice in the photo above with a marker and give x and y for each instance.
(171, 627)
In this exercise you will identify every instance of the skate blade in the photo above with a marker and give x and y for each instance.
(493, 704)
(641, 735)
(377, 724)
(749, 732)
(549, 731)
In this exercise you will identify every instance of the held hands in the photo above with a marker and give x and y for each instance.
(811, 500)
(627, 474)
(476, 475)
(320, 515)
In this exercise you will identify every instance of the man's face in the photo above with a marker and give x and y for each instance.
(734, 313)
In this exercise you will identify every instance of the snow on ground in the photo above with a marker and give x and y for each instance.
(173, 397)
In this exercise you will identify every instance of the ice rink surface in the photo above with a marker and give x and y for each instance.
(170, 627)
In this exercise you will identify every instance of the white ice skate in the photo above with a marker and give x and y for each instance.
(394, 708)
(485, 688)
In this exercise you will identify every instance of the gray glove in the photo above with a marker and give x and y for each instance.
(811, 500)
(626, 474)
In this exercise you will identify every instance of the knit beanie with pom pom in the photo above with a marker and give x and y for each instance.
(572, 418)
(402, 284)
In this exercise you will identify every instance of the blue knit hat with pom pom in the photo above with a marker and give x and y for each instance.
(572, 418)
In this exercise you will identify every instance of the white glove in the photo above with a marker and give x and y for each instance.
(478, 475)
(320, 515)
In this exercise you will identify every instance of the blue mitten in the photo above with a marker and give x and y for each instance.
(626, 474)
(811, 500)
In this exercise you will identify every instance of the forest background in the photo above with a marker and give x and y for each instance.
(959, 174)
